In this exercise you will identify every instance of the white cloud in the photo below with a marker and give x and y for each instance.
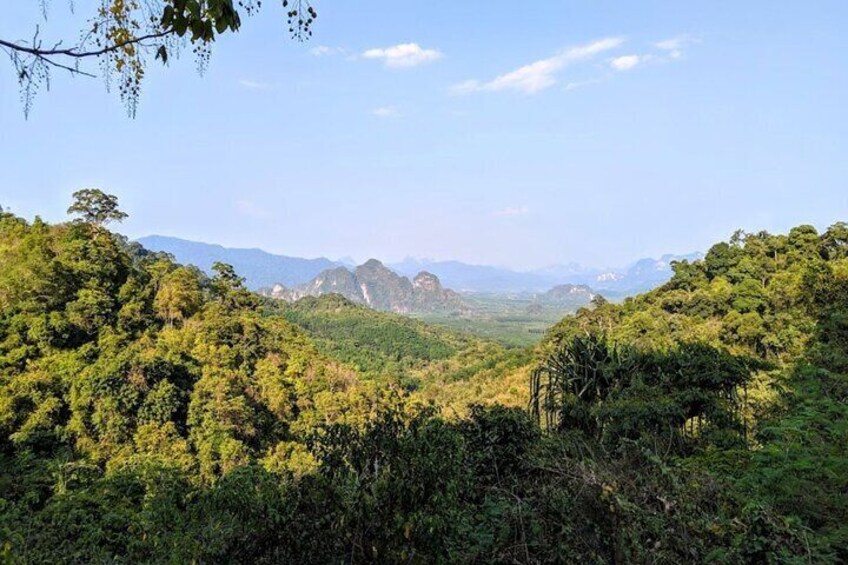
(541, 74)
(507, 212)
(386, 112)
(324, 50)
(674, 46)
(404, 55)
(466, 87)
(668, 44)
(250, 209)
(625, 62)
(254, 84)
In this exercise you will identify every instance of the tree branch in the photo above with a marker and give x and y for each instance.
(72, 70)
(73, 51)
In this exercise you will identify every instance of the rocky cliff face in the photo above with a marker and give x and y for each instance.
(570, 293)
(567, 296)
(383, 289)
(338, 280)
(429, 295)
(377, 286)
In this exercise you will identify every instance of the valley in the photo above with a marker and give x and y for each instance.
(511, 307)
(515, 319)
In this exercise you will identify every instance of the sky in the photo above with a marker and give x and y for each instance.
(514, 134)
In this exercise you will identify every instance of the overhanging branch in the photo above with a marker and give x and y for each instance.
(76, 53)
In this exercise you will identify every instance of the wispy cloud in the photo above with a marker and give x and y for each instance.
(626, 62)
(659, 52)
(674, 46)
(665, 50)
(404, 55)
(581, 83)
(386, 112)
(250, 209)
(252, 84)
(324, 51)
(670, 44)
(540, 74)
(508, 212)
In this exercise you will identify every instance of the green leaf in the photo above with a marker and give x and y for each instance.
(180, 26)
(162, 53)
(167, 16)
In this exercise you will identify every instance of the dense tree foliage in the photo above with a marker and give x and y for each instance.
(149, 413)
(748, 295)
(779, 304)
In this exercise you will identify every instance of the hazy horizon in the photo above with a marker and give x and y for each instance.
(567, 131)
(394, 261)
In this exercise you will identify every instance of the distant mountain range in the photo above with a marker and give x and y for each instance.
(640, 276)
(264, 270)
(476, 278)
(259, 268)
(377, 286)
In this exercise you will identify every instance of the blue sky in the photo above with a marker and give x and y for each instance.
(516, 134)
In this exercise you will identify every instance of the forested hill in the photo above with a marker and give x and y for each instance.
(781, 302)
(751, 295)
(150, 413)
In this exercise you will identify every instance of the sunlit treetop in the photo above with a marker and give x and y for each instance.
(93, 206)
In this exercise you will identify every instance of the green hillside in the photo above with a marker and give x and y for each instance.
(780, 303)
(372, 342)
(750, 295)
